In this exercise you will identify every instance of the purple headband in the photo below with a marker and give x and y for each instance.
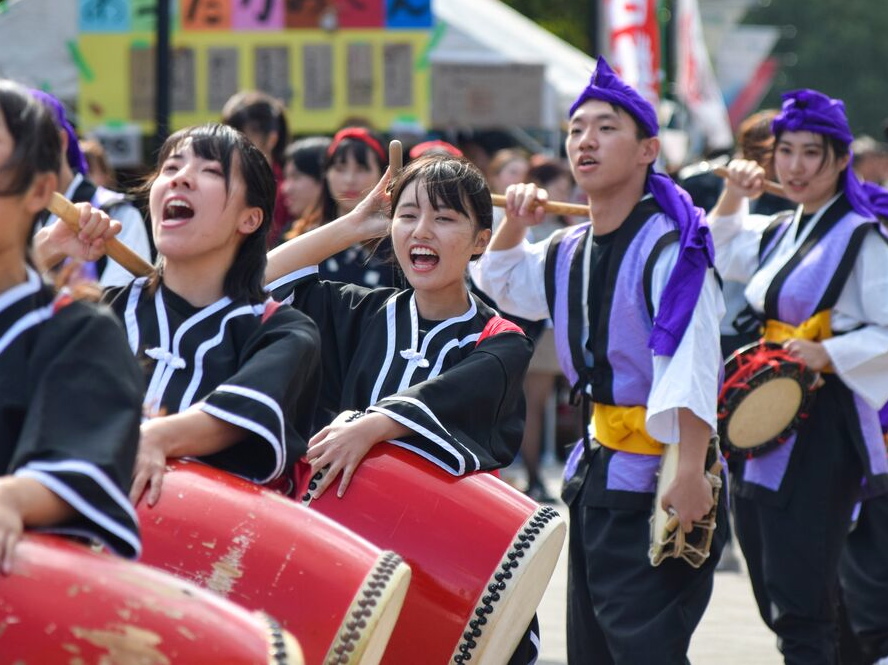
(696, 252)
(75, 157)
(877, 197)
(606, 86)
(811, 111)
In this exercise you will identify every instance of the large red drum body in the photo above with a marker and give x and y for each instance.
(64, 603)
(481, 553)
(336, 592)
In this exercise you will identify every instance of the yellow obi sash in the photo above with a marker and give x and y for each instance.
(815, 329)
(622, 428)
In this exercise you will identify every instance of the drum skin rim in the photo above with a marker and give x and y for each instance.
(494, 600)
(283, 648)
(727, 401)
(381, 594)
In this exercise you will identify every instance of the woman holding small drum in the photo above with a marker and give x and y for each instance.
(811, 275)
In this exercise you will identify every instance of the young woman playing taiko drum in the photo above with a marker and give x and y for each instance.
(430, 368)
(229, 379)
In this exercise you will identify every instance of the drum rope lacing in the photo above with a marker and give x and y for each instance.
(364, 608)
(510, 561)
(749, 364)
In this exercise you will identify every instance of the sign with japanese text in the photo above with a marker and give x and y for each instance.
(327, 61)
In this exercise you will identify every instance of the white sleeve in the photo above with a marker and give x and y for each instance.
(690, 378)
(737, 238)
(133, 234)
(515, 279)
(860, 357)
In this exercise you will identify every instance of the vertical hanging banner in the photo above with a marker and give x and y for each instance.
(696, 85)
(635, 44)
(326, 61)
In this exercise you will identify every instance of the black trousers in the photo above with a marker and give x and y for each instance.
(622, 610)
(863, 572)
(792, 547)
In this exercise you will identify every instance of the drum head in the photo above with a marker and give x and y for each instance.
(765, 413)
(765, 395)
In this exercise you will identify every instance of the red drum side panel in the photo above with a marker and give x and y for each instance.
(454, 532)
(65, 603)
(263, 551)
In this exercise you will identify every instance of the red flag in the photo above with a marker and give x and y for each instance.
(635, 44)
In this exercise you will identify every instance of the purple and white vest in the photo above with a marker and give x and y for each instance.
(613, 363)
(812, 281)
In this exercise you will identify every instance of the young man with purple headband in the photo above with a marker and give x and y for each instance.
(817, 278)
(635, 307)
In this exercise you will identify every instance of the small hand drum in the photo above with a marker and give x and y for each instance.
(766, 393)
(668, 541)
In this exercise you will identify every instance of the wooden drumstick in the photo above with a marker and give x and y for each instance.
(396, 156)
(771, 187)
(555, 207)
(68, 213)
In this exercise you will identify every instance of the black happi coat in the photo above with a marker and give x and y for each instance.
(234, 360)
(458, 384)
(70, 407)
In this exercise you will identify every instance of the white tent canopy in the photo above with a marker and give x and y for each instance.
(489, 32)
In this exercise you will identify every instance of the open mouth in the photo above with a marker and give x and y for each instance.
(587, 161)
(423, 258)
(177, 211)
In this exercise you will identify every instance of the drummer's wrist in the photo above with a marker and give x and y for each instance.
(382, 427)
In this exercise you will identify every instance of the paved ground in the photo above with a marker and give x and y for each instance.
(731, 632)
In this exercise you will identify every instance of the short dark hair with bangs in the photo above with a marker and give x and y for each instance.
(451, 182)
(221, 143)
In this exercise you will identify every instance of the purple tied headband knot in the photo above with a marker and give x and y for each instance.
(811, 111)
(696, 252)
(606, 86)
(76, 159)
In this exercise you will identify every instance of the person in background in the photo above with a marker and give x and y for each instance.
(356, 160)
(70, 390)
(304, 182)
(74, 183)
(99, 168)
(870, 159)
(263, 118)
(507, 166)
(434, 147)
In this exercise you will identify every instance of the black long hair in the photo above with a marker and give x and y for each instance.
(246, 275)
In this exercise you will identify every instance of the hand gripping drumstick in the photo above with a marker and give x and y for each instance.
(555, 207)
(774, 188)
(578, 209)
(115, 249)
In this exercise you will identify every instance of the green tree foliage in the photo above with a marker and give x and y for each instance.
(836, 46)
(569, 20)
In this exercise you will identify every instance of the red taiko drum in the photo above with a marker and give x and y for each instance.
(481, 553)
(336, 592)
(65, 603)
